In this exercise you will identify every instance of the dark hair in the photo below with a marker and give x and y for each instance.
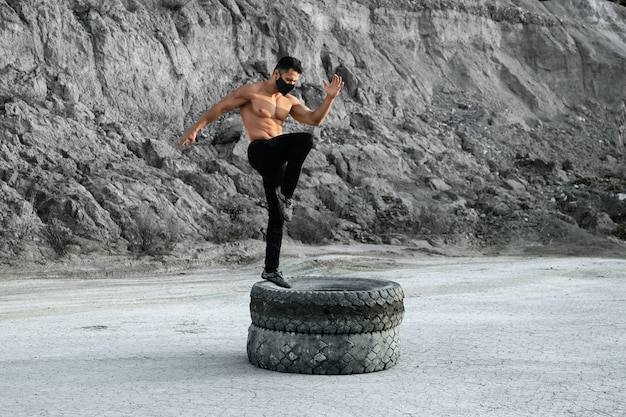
(287, 63)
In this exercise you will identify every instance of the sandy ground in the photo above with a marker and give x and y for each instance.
(481, 336)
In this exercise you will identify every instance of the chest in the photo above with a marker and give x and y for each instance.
(267, 107)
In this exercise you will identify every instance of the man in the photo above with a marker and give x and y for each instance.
(264, 107)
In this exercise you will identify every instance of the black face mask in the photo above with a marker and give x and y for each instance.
(283, 87)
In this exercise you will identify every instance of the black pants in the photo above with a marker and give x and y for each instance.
(279, 161)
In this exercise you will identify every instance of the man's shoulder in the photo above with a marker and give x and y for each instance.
(250, 90)
(253, 86)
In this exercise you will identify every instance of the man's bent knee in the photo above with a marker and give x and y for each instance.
(307, 140)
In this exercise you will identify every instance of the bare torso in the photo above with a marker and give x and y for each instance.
(264, 109)
(264, 114)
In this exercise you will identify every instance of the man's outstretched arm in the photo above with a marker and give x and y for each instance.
(303, 114)
(231, 101)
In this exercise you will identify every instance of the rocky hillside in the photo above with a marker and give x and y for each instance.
(483, 122)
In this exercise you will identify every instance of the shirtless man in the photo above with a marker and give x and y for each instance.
(264, 107)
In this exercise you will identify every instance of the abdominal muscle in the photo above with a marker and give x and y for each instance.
(267, 129)
(260, 124)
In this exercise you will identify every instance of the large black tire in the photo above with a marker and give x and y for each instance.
(329, 354)
(326, 325)
(323, 305)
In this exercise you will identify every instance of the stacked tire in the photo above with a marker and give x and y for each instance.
(325, 325)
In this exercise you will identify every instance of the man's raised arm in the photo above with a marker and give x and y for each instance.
(231, 101)
(304, 115)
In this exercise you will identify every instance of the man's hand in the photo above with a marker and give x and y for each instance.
(189, 137)
(334, 87)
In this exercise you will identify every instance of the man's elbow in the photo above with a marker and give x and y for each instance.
(310, 122)
(315, 121)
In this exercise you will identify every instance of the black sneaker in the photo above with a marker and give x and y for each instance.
(277, 278)
(285, 205)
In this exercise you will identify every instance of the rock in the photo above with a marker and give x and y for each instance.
(437, 184)
(560, 175)
(94, 97)
(514, 185)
